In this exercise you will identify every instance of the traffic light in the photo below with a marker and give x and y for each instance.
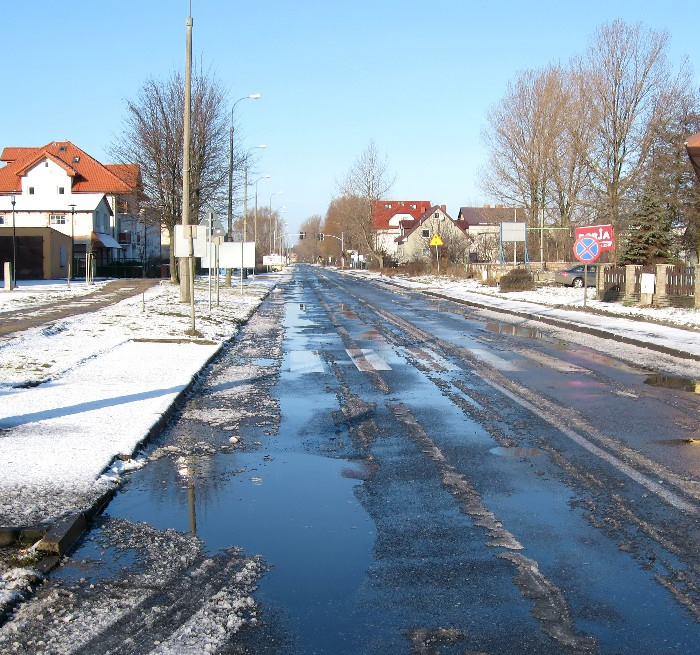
(302, 236)
(320, 236)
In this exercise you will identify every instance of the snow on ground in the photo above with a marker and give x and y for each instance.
(78, 393)
(38, 292)
(556, 296)
(674, 328)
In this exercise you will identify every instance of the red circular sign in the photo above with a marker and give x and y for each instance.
(586, 249)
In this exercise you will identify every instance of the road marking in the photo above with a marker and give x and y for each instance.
(367, 360)
(554, 363)
(493, 360)
(435, 361)
(306, 361)
(633, 474)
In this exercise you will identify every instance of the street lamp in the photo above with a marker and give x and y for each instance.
(245, 193)
(255, 219)
(14, 244)
(270, 219)
(72, 239)
(252, 96)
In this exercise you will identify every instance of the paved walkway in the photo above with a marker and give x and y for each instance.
(41, 314)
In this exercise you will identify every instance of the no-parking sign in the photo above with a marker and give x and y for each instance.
(587, 249)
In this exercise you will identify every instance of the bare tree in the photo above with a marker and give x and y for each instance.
(367, 181)
(628, 82)
(153, 138)
(307, 249)
(523, 132)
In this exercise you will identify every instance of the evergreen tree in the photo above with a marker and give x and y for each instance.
(649, 240)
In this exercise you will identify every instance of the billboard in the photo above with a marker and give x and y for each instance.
(603, 234)
(513, 232)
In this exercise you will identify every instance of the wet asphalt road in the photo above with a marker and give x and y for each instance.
(415, 476)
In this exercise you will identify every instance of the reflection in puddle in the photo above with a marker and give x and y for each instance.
(371, 335)
(514, 452)
(346, 311)
(670, 382)
(514, 330)
(264, 362)
(689, 441)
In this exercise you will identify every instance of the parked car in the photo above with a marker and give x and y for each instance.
(573, 276)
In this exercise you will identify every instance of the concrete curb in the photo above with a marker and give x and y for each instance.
(567, 325)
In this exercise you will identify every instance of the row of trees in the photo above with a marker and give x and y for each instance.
(153, 138)
(349, 215)
(598, 141)
(601, 141)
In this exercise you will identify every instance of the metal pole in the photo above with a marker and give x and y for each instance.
(14, 245)
(72, 239)
(542, 237)
(229, 234)
(211, 238)
(186, 270)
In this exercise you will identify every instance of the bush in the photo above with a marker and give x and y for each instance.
(519, 279)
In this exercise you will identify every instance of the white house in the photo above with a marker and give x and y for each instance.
(390, 217)
(415, 241)
(60, 188)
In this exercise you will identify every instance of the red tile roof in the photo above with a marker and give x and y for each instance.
(88, 175)
(382, 213)
(692, 145)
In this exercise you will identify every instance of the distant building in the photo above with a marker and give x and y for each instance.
(58, 189)
(484, 228)
(413, 243)
(389, 217)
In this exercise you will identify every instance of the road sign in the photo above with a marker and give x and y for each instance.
(436, 240)
(587, 249)
(603, 233)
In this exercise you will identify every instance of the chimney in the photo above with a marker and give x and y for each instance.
(443, 208)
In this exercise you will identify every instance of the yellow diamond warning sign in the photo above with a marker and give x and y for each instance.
(436, 240)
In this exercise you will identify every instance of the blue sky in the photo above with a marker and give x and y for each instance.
(416, 77)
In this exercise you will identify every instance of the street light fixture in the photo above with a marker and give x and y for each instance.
(14, 244)
(270, 220)
(255, 219)
(252, 96)
(245, 193)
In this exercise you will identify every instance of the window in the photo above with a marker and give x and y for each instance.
(437, 214)
(61, 190)
(413, 207)
(387, 206)
(76, 160)
(57, 219)
(426, 234)
(31, 190)
(2, 219)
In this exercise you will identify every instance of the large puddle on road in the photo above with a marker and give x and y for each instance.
(298, 511)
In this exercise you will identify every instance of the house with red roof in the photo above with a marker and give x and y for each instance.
(59, 208)
(390, 217)
(692, 146)
(433, 226)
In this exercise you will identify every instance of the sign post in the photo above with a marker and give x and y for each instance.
(437, 242)
(586, 249)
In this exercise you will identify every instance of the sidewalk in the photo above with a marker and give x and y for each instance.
(667, 339)
(78, 393)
